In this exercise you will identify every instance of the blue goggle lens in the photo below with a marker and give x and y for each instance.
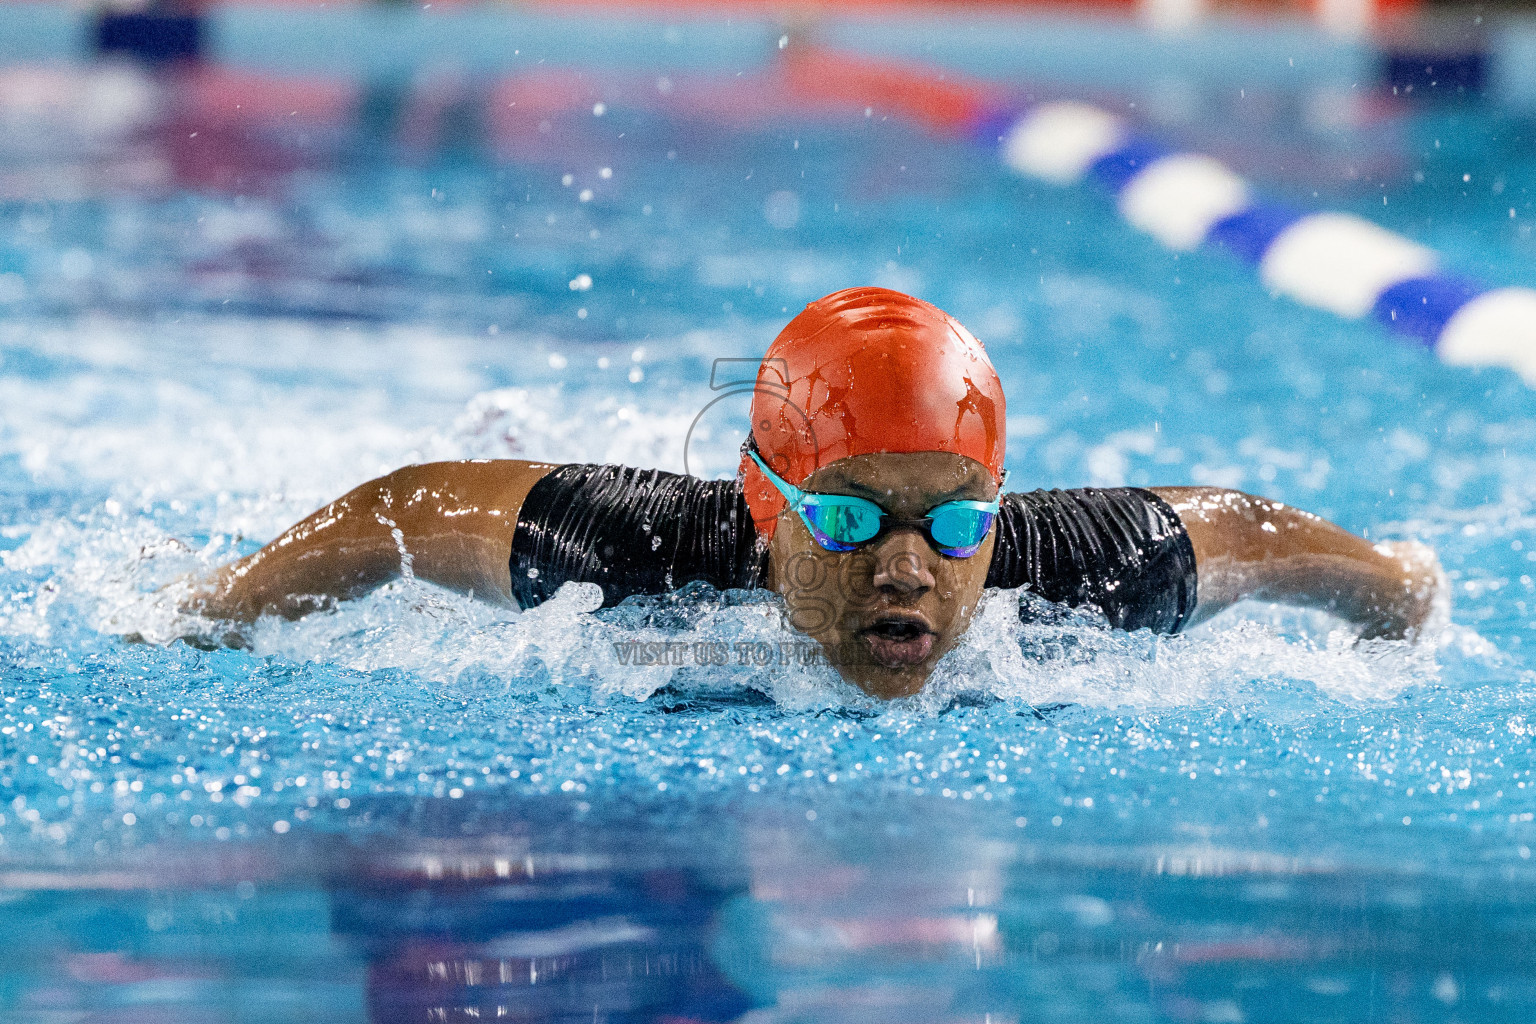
(960, 528)
(842, 527)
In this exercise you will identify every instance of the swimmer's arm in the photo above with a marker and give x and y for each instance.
(455, 522)
(1248, 547)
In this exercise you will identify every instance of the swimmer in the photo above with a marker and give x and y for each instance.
(870, 496)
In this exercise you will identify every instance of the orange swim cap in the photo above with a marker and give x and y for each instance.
(869, 370)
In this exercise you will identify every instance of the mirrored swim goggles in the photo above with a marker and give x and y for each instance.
(841, 522)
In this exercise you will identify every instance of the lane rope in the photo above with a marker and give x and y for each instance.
(1330, 260)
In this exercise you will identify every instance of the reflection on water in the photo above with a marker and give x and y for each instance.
(495, 933)
(766, 922)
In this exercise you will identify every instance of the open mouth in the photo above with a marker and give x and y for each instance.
(898, 641)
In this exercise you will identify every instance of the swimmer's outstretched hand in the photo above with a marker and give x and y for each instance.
(1425, 600)
(185, 609)
(245, 590)
(1251, 547)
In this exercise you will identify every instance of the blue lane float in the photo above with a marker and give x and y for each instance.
(1334, 261)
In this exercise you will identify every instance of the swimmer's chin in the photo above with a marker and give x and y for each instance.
(888, 683)
(888, 670)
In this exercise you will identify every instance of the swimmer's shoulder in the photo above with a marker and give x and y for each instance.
(495, 488)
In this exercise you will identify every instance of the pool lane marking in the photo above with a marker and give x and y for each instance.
(1341, 263)
(1178, 199)
(1334, 261)
(1060, 141)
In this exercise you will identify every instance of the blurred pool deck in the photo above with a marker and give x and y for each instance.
(1440, 53)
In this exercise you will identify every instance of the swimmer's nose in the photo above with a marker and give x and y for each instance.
(901, 564)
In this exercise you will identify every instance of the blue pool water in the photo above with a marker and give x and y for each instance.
(420, 808)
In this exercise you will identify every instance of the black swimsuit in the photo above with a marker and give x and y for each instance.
(644, 531)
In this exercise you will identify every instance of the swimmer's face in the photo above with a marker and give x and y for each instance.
(887, 612)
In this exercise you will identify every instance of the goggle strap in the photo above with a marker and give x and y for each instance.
(792, 494)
